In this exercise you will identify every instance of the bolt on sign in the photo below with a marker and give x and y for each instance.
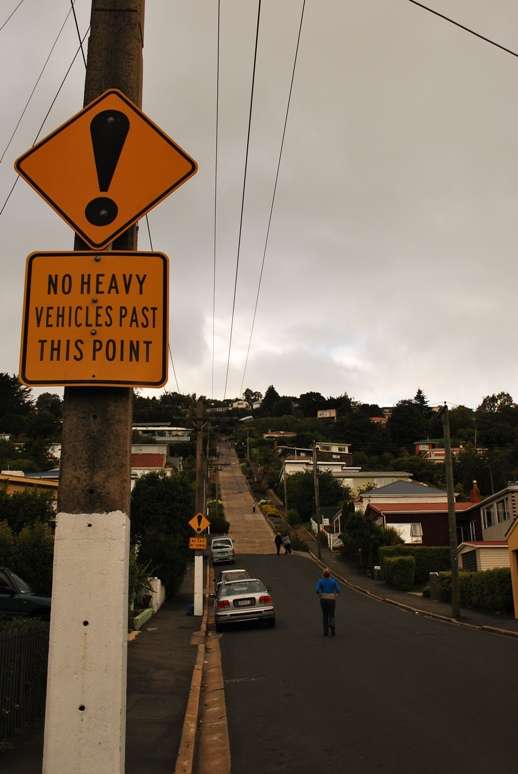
(95, 318)
(105, 168)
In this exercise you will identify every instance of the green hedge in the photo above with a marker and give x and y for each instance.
(427, 558)
(489, 590)
(400, 572)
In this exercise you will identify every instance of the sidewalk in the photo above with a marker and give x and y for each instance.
(160, 665)
(414, 600)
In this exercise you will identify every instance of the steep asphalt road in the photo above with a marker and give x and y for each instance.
(393, 692)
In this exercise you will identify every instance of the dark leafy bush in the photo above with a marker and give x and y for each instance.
(489, 590)
(399, 572)
(29, 554)
(298, 544)
(427, 558)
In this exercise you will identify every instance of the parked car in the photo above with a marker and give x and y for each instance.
(227, 576)
(243, 600)
(18, 599)
(222, 550)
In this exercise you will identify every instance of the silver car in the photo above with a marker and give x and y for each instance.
(243, 600)
(227, 576)
(222, 550)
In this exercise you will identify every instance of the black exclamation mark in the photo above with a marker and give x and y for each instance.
(109, 130)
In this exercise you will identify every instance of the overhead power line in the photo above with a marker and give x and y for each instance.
(169, 345)
(274, 193)
(38, 79)
(215, 204)
(463, 27)
(4, 205)
(78, 33)
(243, 196)
(11, 15)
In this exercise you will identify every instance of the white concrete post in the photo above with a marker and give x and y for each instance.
(198, 584)
(85, 723)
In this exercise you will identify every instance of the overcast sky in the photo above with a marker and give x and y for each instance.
(392, 254)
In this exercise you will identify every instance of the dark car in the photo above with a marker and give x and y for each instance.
(18, 599)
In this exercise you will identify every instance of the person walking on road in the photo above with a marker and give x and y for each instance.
(286, 542)
(278, 543)
(328, 589)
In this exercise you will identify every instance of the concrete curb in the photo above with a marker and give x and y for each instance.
(186, 750)
(410, 608)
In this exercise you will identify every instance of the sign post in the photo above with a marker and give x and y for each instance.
(101, 171)
(199, 524)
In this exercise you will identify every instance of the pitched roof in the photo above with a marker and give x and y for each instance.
(148, 460)
(417, 507)
(406, 488)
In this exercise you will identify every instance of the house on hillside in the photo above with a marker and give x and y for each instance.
(12, 484)
(498, 512)
(433, 450)
(149, 458)
(423, 523)
(401, 492)
(157, 432)
(479, 555)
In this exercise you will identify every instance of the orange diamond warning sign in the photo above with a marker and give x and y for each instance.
(95, 319)
(105, 168)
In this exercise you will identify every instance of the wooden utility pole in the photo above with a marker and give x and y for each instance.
(200, 507)
(452, 518)
(86, 692)
(317, 499)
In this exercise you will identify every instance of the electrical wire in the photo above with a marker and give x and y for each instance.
(38, 79)
(78, 33)
(4, 205)
(295, 58)
(215, 205)
(11, 15)
(463, 27)
(243, 197)
(168, 345)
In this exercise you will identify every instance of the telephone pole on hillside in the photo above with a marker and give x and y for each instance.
(316, 485)
(85, 718)
(452, 517)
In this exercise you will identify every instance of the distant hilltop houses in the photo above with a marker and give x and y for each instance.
(434, 451)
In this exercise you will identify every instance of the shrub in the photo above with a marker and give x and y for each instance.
(298, 544)
(33, 556)
(400, 572)
(489, 590)
(427, 558)
(293, 517)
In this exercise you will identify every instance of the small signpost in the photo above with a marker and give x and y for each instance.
(199, 524)
(105, 168)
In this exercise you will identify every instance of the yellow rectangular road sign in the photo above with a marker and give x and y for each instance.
(198, 543)
(105, 168)
(95, 318)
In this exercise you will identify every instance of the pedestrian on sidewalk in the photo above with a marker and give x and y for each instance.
(278, 543)
(328, 589)
(286, 542)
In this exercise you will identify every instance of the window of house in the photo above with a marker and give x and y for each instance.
(341, 448)
(487, 517)
(501, 510)
(472, 530)
(325, 447)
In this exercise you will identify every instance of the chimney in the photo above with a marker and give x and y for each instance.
(474, 495)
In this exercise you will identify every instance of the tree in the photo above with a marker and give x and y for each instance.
(271, 398)
(252, 397)
(160, 509)
(23, 509)
(301, 494)
(15, 404)
(496, 402)
(310, 402)
(409, 423)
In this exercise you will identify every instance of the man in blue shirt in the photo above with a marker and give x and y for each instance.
(328, 589)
